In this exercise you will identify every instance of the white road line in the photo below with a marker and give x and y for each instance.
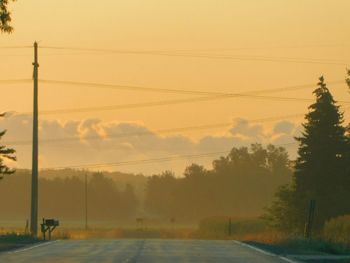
(288, 260)
(265, 252)
(32, 247)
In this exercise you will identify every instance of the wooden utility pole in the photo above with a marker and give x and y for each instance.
(310, 220)
(86, 202)
(229, 226)
(34, 199)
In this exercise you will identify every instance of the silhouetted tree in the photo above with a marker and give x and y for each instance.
(62, 195)
(160, 191)
(5, 153)
(239, 184)
(5, 17)
(319, 168)
(129, 199)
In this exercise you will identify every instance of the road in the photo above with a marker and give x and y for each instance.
(124, 251)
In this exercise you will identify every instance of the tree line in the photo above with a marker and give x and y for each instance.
(63, 197)
(240, 184)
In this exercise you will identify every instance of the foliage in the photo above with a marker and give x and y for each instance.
(239, 184)
(5, 153)
(320, 169)
(337, 230)
(64, 197)
(5, 17)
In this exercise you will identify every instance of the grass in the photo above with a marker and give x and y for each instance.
(12, 241)
(335, 239)
(337, 230)
(119, 233)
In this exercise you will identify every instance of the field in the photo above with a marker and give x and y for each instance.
(335, 239)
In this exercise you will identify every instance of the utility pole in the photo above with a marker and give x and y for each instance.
(310, 220)
(34, 199)
(229, 226)
(86, 202)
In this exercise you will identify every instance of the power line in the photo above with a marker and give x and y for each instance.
(15, 81)
(152, 133)
(169, 102)
(125, 87)
(263, 47)
(154, 160)
(175, 91)
(207, 56)
(215, 96)
(15, 47)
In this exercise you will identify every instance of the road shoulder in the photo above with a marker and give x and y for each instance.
(290, 255)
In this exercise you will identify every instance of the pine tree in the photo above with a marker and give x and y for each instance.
(320, 169)
(5, 153)
(5, 17)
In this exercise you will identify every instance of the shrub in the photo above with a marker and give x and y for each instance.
(337, 230)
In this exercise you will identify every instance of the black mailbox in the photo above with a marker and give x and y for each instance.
(52, 222)
(49, 225)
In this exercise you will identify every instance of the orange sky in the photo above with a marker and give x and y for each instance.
(268, 29)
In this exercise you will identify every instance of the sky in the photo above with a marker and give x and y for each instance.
(222, 46)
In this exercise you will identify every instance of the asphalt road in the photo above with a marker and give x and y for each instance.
(123, 251)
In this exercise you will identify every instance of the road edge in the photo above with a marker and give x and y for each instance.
(31, 247)
(265, 252)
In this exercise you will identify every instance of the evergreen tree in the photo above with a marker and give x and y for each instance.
(5, 17)
(5, 153)
(319, 169)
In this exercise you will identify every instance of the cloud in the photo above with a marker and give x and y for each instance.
(243, 128)
(93, 141)
(285, 127)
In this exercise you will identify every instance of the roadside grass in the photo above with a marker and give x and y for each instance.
(335, 238)
(12, 241)
(120, 233)
(337, 230)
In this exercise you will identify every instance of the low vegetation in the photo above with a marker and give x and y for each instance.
(15, 241)
(337, 230)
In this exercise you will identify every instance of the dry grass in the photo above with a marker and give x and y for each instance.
(119, 233)
(337, 230)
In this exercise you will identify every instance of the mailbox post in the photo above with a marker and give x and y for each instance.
(48, 225)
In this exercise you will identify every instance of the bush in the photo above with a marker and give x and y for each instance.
(337, 230)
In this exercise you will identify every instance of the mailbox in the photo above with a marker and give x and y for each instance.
(49, 225)
(52, 222)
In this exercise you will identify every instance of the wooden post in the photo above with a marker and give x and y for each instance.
(310, 220)
(34, 196)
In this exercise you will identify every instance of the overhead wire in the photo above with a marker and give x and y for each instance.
(14, 81)
(213, 96)
(175, 91)
(207, 56)
(15, 47)
(148, 161)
